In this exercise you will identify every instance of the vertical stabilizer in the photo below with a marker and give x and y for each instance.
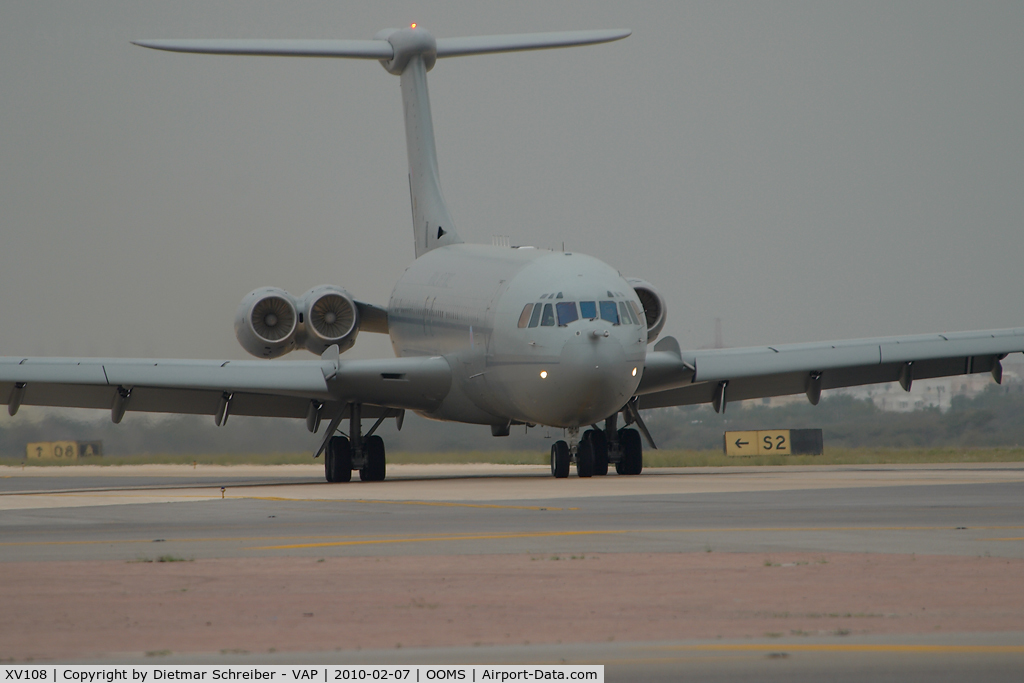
(432, 224)
(414, 53)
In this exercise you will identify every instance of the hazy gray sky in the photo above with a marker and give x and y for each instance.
(804, 171)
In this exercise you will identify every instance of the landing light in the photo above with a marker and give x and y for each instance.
(634, 372)
(412, 26)
(543, 374)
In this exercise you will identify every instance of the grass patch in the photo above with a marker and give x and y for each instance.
(303, 458)
(652, 458)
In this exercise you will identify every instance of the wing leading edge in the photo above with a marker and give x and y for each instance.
(673, 377)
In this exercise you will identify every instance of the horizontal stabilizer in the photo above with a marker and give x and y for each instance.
(382, 49)
(357, 49)
(478, 45)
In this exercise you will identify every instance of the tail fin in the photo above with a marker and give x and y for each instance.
(409, 53)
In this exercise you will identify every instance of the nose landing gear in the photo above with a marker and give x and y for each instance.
(563, 454)
(560, 458)
(597, 449)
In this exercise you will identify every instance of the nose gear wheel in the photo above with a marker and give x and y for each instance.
(560, 460)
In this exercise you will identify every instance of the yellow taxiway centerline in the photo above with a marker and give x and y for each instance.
(592, 532)
(363, 540)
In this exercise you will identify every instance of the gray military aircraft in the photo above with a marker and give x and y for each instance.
(489, 335)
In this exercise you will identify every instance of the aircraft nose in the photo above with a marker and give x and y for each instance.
(595, 377)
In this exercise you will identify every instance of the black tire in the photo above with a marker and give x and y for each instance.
(376, 464)
(560, 460)
(328, 464)
(584, 459)
(632, 452)
(338, 460)
(599, 445)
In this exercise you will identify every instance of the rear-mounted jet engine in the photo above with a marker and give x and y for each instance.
(654, 306)
(271, 322)
(330, 317)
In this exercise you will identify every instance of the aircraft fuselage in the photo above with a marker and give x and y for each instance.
(573, 358)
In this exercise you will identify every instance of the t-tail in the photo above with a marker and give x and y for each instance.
(408, 53)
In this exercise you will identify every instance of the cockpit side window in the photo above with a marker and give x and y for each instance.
(626, 314)
(609, 313)
(524, 317)
(535, 318)
(640, 315)
(588, 309)
(548, 317)
(566, 312)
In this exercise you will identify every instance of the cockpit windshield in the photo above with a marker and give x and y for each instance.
(566, 312)
(563, 313)
(609, 313)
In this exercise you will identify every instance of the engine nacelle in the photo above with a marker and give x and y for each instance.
(654, 306)
(267, 322)
(329, 316)
(271, 322)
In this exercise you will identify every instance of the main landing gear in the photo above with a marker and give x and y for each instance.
(597, 449)
(355, 452)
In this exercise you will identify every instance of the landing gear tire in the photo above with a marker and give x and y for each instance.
(338, 460)
(584, 459)
(599, 445)
(632, 461)
(560, 460)
(376, 466)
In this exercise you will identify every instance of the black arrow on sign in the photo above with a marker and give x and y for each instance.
(741, 444)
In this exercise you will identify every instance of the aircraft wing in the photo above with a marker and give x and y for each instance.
(263, 388)
(674, 377)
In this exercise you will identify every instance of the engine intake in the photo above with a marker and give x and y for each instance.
(331, 317)
(271, 322)
(266, 324)
(654, 306)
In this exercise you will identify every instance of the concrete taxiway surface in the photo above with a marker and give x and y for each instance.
(910, 570)
(935, 659)
(943, 509)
